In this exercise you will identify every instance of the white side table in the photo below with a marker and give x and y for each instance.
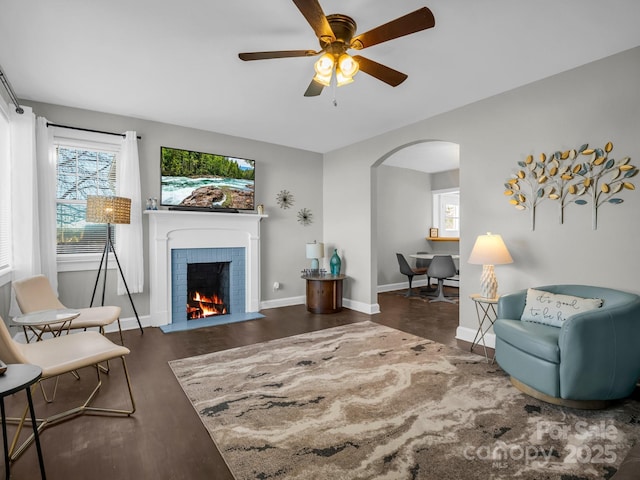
(52, 321)
(486, 312)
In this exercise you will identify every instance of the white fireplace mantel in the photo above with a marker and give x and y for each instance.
(171, 229)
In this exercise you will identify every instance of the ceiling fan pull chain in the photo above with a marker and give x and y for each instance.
(334, 87)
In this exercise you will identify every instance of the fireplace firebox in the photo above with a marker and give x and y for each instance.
(207, 289)
(232, 291)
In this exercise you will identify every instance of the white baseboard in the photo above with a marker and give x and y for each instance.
(390, 287)
(282, 302)
(126, 324)
(129, 323)
(369, 309)
(467, 334)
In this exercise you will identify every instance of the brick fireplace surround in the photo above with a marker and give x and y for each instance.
(170, 230)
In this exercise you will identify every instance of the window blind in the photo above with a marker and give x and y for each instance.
(82, 171)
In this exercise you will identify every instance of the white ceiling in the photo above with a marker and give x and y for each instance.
(430, 157)
(176, 62)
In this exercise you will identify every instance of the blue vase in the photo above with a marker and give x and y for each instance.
(335, 263)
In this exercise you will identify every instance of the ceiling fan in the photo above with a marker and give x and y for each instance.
(336, 35)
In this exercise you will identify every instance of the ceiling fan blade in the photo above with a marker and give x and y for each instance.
(413, 22)
(312, 11)
(276, 54)
(314, 89)
(381, 72)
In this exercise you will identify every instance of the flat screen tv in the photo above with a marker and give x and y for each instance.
(206, 181)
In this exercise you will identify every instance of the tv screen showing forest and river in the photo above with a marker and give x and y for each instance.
(206, 180)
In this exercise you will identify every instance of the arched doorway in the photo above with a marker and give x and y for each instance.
(403, 182)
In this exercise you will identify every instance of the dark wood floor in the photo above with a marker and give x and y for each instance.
(165, 439)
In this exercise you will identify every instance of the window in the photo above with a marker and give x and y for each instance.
(5, 195)
(83, 169)
(446, 212)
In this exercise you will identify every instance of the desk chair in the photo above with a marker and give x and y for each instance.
(34, 294)
(406, 269)
(424, 263)
(441, 267)
(58, 356)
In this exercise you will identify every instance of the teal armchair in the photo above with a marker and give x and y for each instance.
(593, 358)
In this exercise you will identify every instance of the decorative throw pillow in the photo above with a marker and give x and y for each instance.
(553, 309)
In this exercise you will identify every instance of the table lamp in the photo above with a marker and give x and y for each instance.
(489, 250)
(314, 252)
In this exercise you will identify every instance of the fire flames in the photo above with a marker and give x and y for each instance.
(201, 306)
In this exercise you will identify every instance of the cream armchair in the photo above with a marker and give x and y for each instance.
(60, 355)
(34, 294)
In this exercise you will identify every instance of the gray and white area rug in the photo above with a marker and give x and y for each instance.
(364, 401)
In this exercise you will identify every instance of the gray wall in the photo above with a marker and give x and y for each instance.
(404, 217)
(593, 104)
(443, 180)
(4, 95)
(5, 298)
(596, 103)
(283, 238)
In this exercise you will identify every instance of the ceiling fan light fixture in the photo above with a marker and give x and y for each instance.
(324, 65)
(348, 65)
(342, 79)
(323, 79)
(337, 34)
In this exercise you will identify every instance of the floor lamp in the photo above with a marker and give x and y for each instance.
(109, 210)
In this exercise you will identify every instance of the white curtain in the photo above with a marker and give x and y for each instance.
(129, 237)
(47, 182)
(33, 201)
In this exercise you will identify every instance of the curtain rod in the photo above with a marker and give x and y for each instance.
(88, 130)
(12, 96)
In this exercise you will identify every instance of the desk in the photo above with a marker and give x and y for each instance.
(19, 377)
(324, 293)
(486, 311)
(52, 321)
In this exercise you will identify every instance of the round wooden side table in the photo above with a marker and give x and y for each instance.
(324, 293)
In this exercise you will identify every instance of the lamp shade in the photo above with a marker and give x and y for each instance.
(315, 250)
(108, 209)
(490, 249)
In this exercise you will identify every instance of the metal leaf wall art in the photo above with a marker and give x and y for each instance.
(577, 176)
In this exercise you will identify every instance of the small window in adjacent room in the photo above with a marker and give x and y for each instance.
(83, 169)
(446, 212)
